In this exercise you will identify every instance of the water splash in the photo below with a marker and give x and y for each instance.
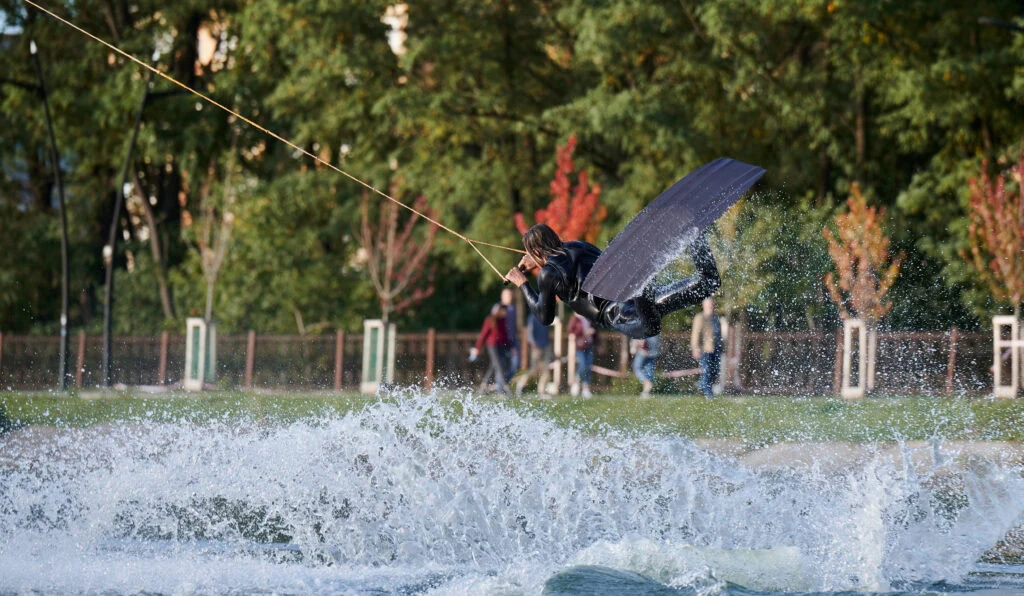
(457, 495)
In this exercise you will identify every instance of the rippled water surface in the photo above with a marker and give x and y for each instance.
(434, 496)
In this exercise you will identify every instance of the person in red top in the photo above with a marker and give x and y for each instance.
(494, 335)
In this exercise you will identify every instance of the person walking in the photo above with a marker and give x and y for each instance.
(706, 345)
(492, 335)
(584, 332)
(647, 352)
(512, 332)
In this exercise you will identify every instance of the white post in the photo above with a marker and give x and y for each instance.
(210, 373)
(1014, 344)
(200, 353)
(571, 363)
(556, 373)
(872, 349)
(847, 390)
(389, 374)
(373, 356)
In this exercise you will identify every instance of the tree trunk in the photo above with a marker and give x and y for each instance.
(166, 294)
(861, 132)
(211, 281)
(159, 256)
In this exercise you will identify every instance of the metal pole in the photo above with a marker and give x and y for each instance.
(109, 249)
(62, 372)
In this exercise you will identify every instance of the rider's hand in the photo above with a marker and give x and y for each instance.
(473, 354)
(527, 264)
(516, 276)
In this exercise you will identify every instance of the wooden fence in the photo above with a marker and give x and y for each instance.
(757, 362)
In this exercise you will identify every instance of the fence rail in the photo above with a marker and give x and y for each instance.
(758, 362)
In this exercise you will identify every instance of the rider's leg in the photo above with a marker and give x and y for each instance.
(690, 290)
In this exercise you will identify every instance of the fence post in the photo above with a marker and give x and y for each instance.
(339, 358)
(80, 360)
(162, 368)
(954, 338)
(431, 341)
(837, 370)
(250, 358)
(735, 359)
(623, 356)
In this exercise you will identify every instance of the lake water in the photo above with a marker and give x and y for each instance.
(431, 496)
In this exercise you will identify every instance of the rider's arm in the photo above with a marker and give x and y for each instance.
(541, 301)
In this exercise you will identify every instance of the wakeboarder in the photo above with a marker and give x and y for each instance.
(562, 268)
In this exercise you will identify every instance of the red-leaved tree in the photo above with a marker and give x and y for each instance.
(861, 256)
(395, 256)
(574, 214)
(997, 233)
(866, 272)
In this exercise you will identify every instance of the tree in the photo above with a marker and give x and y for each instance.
(395, 257)
(157, 244)
(860, 251)
(997, 233)
(902, 97)
(212, 223)
(572, 214)
(742, 244)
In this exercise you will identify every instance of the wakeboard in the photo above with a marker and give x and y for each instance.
(666, 226)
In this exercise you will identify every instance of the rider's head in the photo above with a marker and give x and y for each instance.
(541, 242)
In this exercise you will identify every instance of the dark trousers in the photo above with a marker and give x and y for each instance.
(499, 364)
(710, 364)
(584, 363)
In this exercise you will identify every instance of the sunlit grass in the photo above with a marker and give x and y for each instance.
(751, 419)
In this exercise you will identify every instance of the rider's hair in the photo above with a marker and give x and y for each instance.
(541, 240)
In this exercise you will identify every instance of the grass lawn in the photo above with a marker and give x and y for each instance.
(751, 419)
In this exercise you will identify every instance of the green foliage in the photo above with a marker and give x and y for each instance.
(904, 97)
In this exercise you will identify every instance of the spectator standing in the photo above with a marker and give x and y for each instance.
(706, 345)
(647, 352)
(492, 335)
(541, 355)
(583, 331)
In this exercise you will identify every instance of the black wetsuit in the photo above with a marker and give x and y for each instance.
(639, 317)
